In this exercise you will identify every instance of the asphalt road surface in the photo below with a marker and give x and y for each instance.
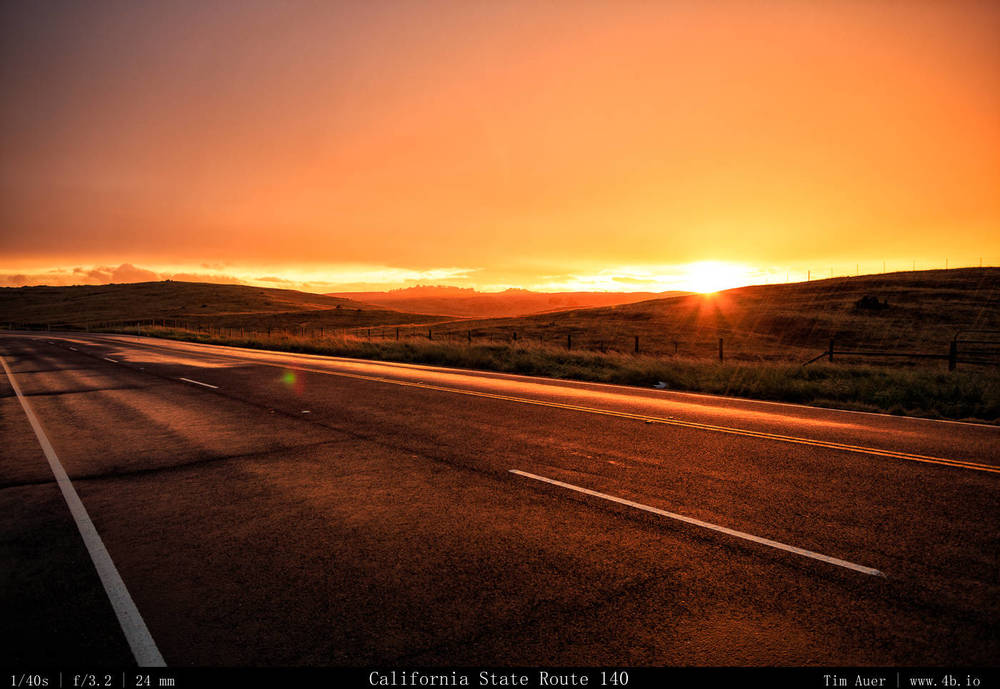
(260, 508)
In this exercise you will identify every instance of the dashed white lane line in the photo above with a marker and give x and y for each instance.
(74, 349)
(708, 525)
(113, 361)
(188, 380)
(136, 633)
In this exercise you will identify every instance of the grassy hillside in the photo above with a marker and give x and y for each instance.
(768, 330)
(900, 312)
(918, 311)
(468, 303)
(197, 304)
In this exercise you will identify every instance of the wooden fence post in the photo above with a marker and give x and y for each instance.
(952, 355)
(569, 340)
(636, 344)
(831, 350)
(721, 357)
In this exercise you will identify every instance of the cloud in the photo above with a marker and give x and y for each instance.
(92, 275)
(360, 277)
(103, 275)
(15, 280)
(213, 278)
(55, 278)
(127, 272)
(635, 281)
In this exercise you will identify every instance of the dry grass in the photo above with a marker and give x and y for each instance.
(970, 394)
(768, 331)
(791, 322)
(195, 304)
(772, 322)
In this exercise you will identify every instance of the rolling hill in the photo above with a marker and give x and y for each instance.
(190, 302)
(460, 302)
(907, 311)
(899, 312)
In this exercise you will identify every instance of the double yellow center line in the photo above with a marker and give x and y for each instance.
(909, 456)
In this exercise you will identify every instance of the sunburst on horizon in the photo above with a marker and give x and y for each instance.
(708, 277)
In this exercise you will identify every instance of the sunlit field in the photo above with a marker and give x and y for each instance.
(768, 342)
(971, 394)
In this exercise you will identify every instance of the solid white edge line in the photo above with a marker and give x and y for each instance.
(707, 525)
(113, 361)
(136, 633)
(188, 380)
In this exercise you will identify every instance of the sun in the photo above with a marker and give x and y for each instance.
(712, 276)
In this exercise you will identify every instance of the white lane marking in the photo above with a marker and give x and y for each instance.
(626, 389)
(709, 525)
(136, 633)
(74, 349)
(113, 361)
(259, 357)
(188, 380)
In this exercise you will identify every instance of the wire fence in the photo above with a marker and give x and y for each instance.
(966, 347)
(809, 273)
(976, 347)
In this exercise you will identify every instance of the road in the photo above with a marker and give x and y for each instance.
(263, 508)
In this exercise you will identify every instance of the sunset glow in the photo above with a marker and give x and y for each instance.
(712, 276)
(609, 146)
(576, 340)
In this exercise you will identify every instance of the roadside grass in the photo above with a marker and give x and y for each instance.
(919, 312)
(970, 393)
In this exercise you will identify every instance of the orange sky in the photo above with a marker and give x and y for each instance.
(549, 145)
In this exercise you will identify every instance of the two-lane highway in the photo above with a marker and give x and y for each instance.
(277, 509)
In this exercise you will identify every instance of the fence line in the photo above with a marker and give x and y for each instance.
(960, 351)
(971, 347)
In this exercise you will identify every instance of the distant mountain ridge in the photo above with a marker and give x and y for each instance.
(466, 302)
